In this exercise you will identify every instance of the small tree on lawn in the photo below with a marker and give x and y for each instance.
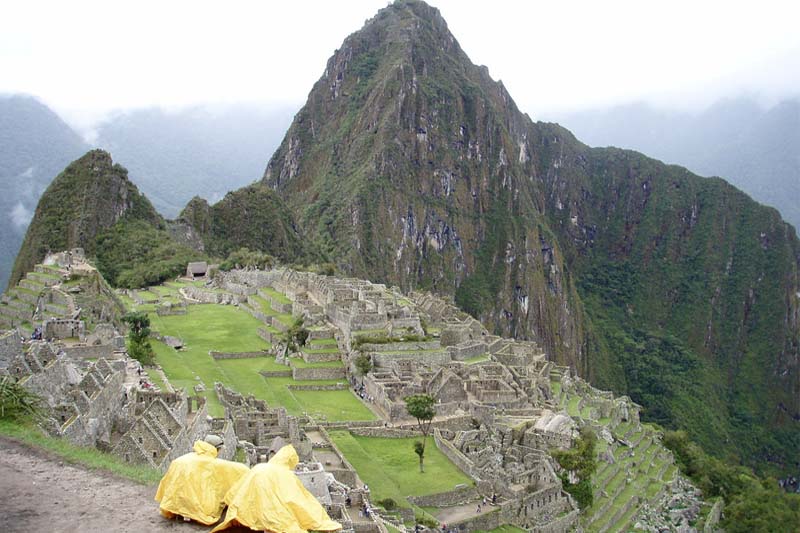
(139, 337)
(420, 406)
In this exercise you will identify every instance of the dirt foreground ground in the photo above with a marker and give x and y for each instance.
(41, 493)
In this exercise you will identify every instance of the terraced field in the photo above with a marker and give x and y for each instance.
(224, 328)
(640, 472)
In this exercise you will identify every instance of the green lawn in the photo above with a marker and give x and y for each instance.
(334, 349)
(275, 295)
(226, 328)
(477, 359)
(391, 468)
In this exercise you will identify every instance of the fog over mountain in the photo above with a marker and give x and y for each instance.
(200, 151)
(753, 147)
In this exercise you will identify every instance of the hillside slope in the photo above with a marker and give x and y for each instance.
(756, 149)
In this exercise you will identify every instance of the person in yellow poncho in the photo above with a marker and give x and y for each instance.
(195, 484)
(272, 498)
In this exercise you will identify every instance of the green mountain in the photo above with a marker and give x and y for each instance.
(753, 147)
(410, 165)
(35, 145)
(252, 217)
(93, 205)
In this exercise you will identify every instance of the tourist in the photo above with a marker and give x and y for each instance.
(195, 484)
(271, 497)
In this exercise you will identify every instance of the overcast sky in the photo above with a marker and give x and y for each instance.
(85, 58)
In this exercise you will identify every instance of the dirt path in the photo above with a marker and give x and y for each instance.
(457, 513)
(42, 493)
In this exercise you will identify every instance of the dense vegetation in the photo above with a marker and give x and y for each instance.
(581, 462)
(751, 504)
(253, 217)
(134, 254)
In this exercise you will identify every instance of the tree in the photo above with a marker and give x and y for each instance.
(581, 462)
(295, 336)
(420, 406)
(139, 337)
(363, 364)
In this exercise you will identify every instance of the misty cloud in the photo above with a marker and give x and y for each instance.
(20, 216)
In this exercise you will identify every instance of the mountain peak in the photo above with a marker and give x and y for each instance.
(88, 197)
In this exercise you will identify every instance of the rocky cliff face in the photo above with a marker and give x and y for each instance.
(409, 164)
(89, 196)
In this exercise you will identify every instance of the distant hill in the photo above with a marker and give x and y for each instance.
(35, 145)
(756, 149)
(201, 151)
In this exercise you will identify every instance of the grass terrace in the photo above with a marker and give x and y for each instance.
(391, 468)
(275, 295)
(299, 363)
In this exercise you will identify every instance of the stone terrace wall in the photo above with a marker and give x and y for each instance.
(388, 433)
(423, 358)
(447, 499)
(484, 522)
(457, 458)
(312, 373)
(89, 352)
(564, 524)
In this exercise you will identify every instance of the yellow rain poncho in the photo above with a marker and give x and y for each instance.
(196, 483)
(271, 497)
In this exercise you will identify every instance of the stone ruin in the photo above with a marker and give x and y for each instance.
(498, 400)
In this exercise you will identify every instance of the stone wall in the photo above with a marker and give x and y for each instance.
(10, 348)
(276, 373)
(78, 352)
(327, 357)
(315, 373)
(401, 346)
(62, 328)
(423, 358)
(388, 433)
(236, 355)
(447, 499)
(337, 386)
(455, 456)
(95, 424)
(484, 522)
(53, 381)
(464, 351)
(563, 524)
